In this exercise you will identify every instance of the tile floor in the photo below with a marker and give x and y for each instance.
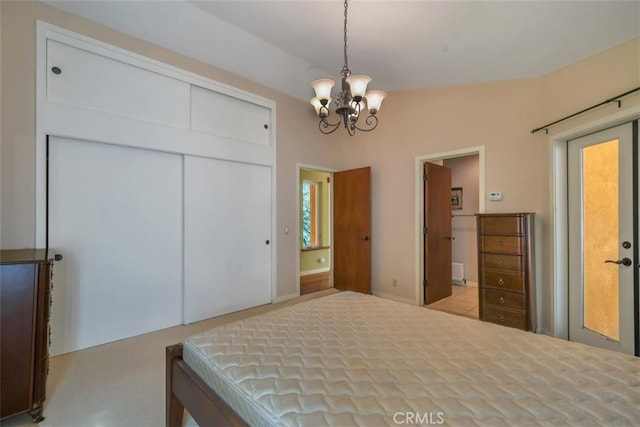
(463, 302)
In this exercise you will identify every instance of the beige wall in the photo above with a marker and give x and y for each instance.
(498, 116)
(297, 140)
(465, 173)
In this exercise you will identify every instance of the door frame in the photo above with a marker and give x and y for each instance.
(331, 171)
(419, 206)
(559, 222)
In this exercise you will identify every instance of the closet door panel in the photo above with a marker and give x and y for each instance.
(116, 215)
(84, 79)
(234, 118)
(227, 240)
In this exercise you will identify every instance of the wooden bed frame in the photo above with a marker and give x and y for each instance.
(186, 390)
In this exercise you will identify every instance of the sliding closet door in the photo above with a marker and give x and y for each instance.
(227, 240)
(115, 213)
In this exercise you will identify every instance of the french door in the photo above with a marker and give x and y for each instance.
(601, 239)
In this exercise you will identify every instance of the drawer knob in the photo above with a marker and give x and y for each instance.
(501, 263)
(502, 318)
(500, 281)
(499, 225)
(501, 300)
(500, 243)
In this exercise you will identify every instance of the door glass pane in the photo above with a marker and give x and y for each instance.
(600, 198)
(310, 214)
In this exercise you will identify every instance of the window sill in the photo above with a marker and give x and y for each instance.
(315, 248)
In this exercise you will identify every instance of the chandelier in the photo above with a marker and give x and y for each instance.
(352, 101)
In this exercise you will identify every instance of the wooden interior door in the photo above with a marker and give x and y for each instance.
(437, 233)
(352, 230)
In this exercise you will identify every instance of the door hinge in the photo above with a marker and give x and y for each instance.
(424, 177)
(424, 230)
(424, 282)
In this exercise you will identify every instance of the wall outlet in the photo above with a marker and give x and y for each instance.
(495, 196)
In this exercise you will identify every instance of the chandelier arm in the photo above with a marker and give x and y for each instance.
(323, 125)
(371, 121)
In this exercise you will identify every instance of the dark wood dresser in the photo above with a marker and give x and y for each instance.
(506, 270)
(25, 288)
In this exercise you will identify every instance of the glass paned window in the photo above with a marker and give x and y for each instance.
(309, 214)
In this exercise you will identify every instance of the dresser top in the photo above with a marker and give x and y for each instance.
(23, 256)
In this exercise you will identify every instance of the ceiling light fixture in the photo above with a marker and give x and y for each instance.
(352, 100)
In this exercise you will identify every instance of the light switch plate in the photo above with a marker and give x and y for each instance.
(495, 196)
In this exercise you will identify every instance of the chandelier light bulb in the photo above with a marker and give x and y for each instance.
(321, 110)
(323, 87)
(358, 85)
(374, 100)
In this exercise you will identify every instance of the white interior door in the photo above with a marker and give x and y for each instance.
(601, 264)
(115, 213)
(227, 240)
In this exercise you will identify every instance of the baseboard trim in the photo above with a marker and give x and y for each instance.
(284, 298)
(394, 298)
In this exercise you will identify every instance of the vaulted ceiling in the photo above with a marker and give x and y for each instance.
(401, 44)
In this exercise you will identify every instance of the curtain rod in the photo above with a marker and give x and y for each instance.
(614, 99)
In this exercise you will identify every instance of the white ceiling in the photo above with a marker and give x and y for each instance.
(401, 44)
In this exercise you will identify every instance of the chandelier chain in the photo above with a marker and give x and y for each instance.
(345, 69)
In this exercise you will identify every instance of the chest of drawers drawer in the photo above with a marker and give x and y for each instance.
(513, 263)
(503, 280)
(505, 317)
(502, 244)
(504, 299)
(500, 225)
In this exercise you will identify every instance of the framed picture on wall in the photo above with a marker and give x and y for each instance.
(456, 198)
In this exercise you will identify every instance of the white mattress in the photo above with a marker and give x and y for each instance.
(355, 360)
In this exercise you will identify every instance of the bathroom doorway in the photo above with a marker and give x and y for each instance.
(466, 190)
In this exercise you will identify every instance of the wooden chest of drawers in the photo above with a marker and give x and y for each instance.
(506, 269)
(25, 292)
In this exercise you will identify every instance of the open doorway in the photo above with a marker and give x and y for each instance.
(315, 230)
(467, 187)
